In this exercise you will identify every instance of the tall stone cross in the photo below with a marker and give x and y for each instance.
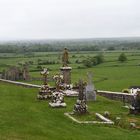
(81, 90)
(65, 57)
(45, 74)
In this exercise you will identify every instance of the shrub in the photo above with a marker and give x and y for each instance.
(122, 57)
(93, 61)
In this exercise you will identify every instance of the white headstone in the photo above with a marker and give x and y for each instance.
(90, 89)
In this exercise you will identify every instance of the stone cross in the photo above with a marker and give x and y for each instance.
(65, 57)
(81, 90)
(45, 73)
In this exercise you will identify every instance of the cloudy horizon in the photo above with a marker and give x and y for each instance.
(63, 19)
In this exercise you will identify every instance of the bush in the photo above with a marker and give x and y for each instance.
(122, 57)
(93, 61)
(88, 63)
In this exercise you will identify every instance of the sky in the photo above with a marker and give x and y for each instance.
(60, 19)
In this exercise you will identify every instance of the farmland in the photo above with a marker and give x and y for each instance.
(109, 75)
(24, 117)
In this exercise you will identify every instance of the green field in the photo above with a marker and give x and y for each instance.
(22, 117)
(110, 75)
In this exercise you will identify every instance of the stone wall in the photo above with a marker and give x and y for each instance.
(108, 94)
(128, 98)
(20, 83)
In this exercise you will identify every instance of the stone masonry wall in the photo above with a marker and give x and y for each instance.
(116, 96)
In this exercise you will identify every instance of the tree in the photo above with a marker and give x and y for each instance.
(93, 61)
(122, 57)
(87, 62)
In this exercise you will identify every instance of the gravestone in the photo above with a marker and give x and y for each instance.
(90, 89)
(44, 91)
(65, 69)
(135, 107)
(57, 100)
(58, 82)
(80, 107)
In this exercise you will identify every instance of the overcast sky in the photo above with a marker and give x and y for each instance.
(44, 19)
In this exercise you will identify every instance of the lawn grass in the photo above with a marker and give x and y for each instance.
(22, 117)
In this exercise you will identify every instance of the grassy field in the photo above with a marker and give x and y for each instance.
(22, 117)
(110, 75)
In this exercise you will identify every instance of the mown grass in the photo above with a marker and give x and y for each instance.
(22, 117)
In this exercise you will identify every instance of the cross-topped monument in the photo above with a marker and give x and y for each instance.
(65, 69)
(45, 73)
(65, 57)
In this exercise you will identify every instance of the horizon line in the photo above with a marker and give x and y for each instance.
(76, 38)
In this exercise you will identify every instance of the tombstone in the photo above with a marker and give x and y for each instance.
(57, 100)
(44, 91)
(81, 107)
(90, 89)
(45, 74)
(135, 107)
(58, 81)
(65, 69)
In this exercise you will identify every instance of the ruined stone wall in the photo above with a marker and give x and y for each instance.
(128, 98)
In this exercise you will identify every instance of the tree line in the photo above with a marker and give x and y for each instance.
(74, 45)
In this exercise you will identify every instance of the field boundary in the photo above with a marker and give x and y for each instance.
(20, 83)
(124, 97)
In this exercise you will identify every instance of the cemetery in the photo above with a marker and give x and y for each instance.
(69, 70)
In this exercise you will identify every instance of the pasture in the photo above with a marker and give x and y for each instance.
(110, 75)
(23, 117)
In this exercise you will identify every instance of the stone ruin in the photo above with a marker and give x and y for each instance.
(135, 106)
(81, 107)
(15, 73)
(90, 89)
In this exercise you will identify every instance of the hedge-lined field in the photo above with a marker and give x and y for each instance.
(109, 75)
